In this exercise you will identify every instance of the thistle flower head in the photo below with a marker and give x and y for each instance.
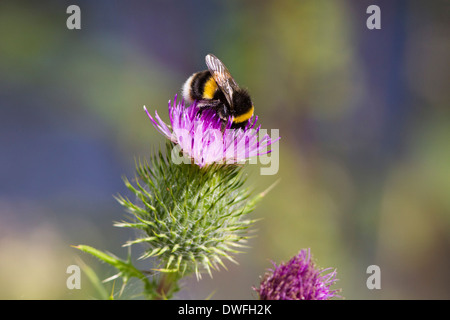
(299, 279)
(203, 137)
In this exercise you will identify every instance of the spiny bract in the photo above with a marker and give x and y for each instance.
(190, 217)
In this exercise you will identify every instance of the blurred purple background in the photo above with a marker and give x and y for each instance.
(363, 114)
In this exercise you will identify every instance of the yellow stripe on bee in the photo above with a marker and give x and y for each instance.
(210, 88)
(244, 117)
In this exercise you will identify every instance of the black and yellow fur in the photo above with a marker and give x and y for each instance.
(215, 88)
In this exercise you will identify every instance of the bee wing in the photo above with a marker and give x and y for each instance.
(222, 77)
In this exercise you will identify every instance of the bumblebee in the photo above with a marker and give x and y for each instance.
(215, 88)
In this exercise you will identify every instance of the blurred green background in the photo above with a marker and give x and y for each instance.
(363, 114)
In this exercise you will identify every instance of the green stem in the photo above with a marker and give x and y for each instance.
(165, 288)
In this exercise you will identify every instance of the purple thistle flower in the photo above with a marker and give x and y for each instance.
(299, 279)
(205, 139)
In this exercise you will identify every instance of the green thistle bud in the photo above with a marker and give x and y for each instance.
(191, 218)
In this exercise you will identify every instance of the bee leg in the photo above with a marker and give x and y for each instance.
(208, 103)
(240, 125)
(223, 112)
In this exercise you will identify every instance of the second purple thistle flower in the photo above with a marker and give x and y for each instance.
(298, 279)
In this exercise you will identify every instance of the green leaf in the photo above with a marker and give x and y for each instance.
(126, 268)
(95, 280)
